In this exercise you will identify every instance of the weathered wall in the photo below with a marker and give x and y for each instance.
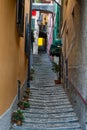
(74, 31)
(50, 32)
(13, 63)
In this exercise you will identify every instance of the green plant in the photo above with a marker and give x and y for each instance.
(55, 68)
(26, 96)
(27, 91)
(31, 77)
(23, 104)
(26, 104)
(17, 116)
(32, 71)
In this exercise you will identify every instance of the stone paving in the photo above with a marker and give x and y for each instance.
(50, 108)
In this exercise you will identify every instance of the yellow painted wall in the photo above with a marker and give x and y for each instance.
(13, 63)
(45, 18)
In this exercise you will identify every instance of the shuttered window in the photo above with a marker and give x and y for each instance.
(20, 17)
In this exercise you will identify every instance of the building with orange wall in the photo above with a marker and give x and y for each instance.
(13, 61)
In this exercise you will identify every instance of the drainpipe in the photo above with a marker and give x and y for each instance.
(19, 85)
(30, 11)
(66, 73)
(60, 67)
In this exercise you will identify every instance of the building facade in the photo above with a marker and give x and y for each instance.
(35, 29)
(13, 60)
(74, 31)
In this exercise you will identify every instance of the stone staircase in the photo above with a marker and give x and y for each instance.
(50, 108)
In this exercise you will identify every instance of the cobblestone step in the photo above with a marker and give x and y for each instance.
(47, 95)
(46, 88)
(24, 128)
(52, 125)
(50, 108)
(51, 120)
(41, 107)
(54, 100)
(49, 111)
(47, 92)
(63, 104)
(51, 116)
(47, 99)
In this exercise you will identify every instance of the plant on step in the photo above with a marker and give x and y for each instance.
(17, 117)
(31, 77)
(26, 97)
(56, 69)
(32, 71)
(23, 104)
(27, 91)
(26, 94)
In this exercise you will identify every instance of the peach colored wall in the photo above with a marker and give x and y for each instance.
(13, 63)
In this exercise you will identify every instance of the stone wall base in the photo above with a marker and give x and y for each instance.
(5, 119)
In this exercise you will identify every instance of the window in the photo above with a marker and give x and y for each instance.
(20, 17)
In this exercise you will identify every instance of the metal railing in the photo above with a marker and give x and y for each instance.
(76, 89)
(78, 92)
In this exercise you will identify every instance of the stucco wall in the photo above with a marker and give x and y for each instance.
(74, 39)
(13, 63)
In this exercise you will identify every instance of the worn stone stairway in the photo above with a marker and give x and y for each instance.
(50, 108)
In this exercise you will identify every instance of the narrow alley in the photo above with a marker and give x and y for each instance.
(43, 64)
(50, 108)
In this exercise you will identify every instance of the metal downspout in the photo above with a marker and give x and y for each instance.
(30, 11)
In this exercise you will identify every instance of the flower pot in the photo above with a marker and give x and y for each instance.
(57, 81)
(22, 107)
(17, 117)
(31, 77)
(25, 99)
(13, 121)
(19, 123)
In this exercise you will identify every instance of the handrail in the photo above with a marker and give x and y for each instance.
(78, 92)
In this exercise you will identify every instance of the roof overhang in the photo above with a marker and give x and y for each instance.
(43, 7)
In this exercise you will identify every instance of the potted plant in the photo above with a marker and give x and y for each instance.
(17, 117)
(26, 97)
(56, 69)
(31, 77)
(23, 104)
(32, 71)
(27, 91)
